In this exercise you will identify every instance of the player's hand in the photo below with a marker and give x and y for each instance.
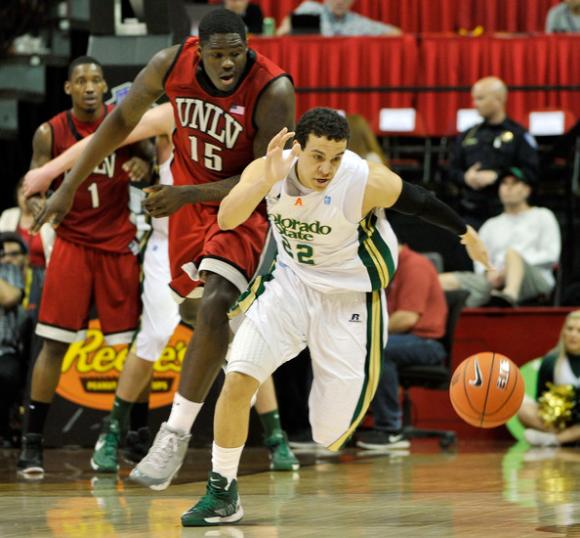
(35, 203)
(163, 200)
(495, 278)
(277, 165)
(486, 177)
(475, 248)
(55, 208)
(137, 168)
(36, 181)
(471, 176)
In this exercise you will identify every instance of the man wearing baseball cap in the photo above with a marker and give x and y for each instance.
(524, 247)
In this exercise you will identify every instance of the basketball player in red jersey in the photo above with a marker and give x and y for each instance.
(228, 102)
(94, 255)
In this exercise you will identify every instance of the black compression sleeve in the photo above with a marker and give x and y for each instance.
(417, 201)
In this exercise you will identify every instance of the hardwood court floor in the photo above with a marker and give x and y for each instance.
(481, 490)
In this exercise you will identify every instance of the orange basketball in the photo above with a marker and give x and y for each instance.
(486, 390)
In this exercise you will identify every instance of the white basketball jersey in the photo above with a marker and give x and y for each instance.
(323, 237)
(161, 226)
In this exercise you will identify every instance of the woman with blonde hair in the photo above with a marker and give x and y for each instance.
(363, 141)
(561, 366)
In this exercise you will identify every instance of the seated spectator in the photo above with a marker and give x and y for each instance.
(15, 252)
(523, 244)
(250, 13)
(19, 219)
(11, 295)
(363, 141)
(561, 366)
(480, 153)
(417, 319)
(336, 19)
(564, 17)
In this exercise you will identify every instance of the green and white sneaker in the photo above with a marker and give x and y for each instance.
(220, 504)
(281, 456)
(105, 458)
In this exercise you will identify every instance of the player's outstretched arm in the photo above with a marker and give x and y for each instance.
(387, 189)
(145, 90)
(156, 121)
(257, 180)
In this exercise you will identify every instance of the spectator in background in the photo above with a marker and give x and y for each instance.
(561, 366)
(523, 244)
(564, 17)
(11, 294)
(15, 252)
(19, 219)
(481, 152)
(251, 14)
(363, 141)
(336, 19)
(417, 319)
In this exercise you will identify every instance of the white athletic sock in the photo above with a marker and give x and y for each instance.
(225, 461)
(183, 413)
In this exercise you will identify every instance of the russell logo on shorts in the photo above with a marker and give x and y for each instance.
(355, 318)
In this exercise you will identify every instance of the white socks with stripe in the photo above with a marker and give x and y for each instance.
(183, 414)
(226, 461)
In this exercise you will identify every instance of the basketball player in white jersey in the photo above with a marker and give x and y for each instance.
(336, 254)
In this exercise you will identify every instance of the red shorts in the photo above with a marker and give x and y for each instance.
(77, 277)
(196, 243)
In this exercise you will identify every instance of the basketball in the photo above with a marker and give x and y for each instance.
(486, 390)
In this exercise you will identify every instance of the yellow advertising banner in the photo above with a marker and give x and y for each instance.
(91, 368)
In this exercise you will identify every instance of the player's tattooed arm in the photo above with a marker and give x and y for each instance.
(41, 154)
(41, 146)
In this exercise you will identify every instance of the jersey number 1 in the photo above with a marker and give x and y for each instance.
(212, 159)
(94, 190)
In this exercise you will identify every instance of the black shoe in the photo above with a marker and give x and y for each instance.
(30, 461)
(381, 440)
(302, 439)
(137, 445)
(499, 299)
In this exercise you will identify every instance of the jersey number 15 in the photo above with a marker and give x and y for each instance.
(211, 157)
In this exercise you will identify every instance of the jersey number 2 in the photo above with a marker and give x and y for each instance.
(212, 159)
(304, 253)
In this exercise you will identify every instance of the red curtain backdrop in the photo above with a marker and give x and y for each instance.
(418, 16)
(346, 62)
(456, 61)
(431, 61)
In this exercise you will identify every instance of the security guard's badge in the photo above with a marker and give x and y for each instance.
(505, 137)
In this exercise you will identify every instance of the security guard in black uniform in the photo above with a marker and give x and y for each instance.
(484, 151)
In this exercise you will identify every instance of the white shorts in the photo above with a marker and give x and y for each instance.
(160, 312)
(346, 333)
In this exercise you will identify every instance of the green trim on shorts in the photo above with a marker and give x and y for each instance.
(373, 365)
(246, 299)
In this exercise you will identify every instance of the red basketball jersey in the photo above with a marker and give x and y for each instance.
(99, 217)
(214, 132)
